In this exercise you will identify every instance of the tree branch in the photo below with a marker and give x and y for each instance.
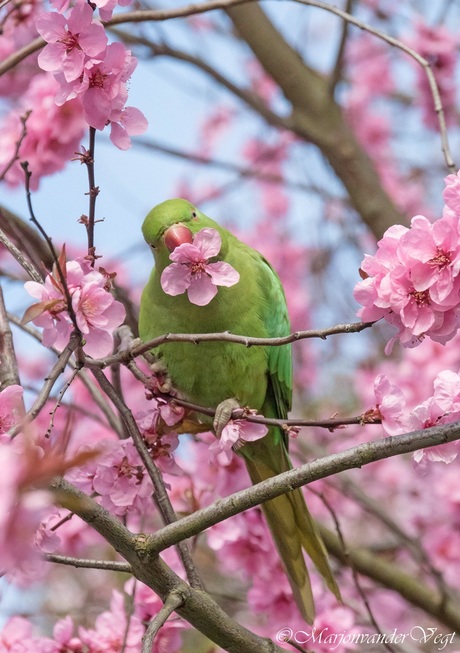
(394, 578)
(242, 172)
(198, 608)
(9, 366)
(412, 53)
(195, 338)
(352, 458)
(336, 74)
(83, 563)
(316, 118)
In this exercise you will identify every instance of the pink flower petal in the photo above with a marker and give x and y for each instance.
(201, 290)
(186, 253)
(119, 136)
(51, 26)
(175, 279)
(208, 242)
(222, 273)
(72, 64)
(93, 41)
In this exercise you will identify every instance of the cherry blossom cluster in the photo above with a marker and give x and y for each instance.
(118, 476)
(50, 137)
(413, 280)
(191, 270)
(96, 311)
(443, 407)
(88, 68)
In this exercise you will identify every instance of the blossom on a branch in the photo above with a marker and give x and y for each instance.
(97, 313)
(234, 435)
(70, 41)
(413, 281)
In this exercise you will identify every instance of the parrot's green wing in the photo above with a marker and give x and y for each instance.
(290, 522)
(279, 358)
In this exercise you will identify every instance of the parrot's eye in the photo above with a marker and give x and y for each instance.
(152, 246)
(194, 214)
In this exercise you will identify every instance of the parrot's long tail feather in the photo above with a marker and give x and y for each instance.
(293, 530)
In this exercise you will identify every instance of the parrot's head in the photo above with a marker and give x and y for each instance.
(171, 224)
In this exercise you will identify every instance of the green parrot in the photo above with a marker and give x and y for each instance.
(212, 373)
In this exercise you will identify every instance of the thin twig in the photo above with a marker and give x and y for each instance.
(87, 158)
(129, 611)
(247, 341)
(83, 563)
(336, 74)
(173, 601)
(412, 53)
(96, 395)
(368, 417)
(50, 380)
(61, 272)
(242, 172)
(60, 396)
(23, 134)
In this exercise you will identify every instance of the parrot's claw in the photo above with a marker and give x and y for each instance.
(224, 414)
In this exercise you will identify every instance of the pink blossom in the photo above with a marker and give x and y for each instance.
(97, 312)
(243, 545)
(234, 435)
(431, 252)
(17, 636)
(20, 510)
(53, 133)
(63, 635)
(106, 7)
(102, 91)
(390, 405)
(447, 391)
(216, 124)
(124, 124)
(11, 407)
(109, 633)
(451, 193)
(160, 444)
(119, 477)
(429, 414)
(70, 40)
(192, 272)
(413, 281)
(104, 84)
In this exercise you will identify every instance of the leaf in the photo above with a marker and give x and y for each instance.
(34, 311)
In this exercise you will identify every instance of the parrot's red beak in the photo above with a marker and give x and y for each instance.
(177, 235)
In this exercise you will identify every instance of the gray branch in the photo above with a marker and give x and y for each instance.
(355, 457)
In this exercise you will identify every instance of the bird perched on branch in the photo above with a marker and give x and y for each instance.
(205, 280)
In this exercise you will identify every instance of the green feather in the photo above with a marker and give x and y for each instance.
(259, 377)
